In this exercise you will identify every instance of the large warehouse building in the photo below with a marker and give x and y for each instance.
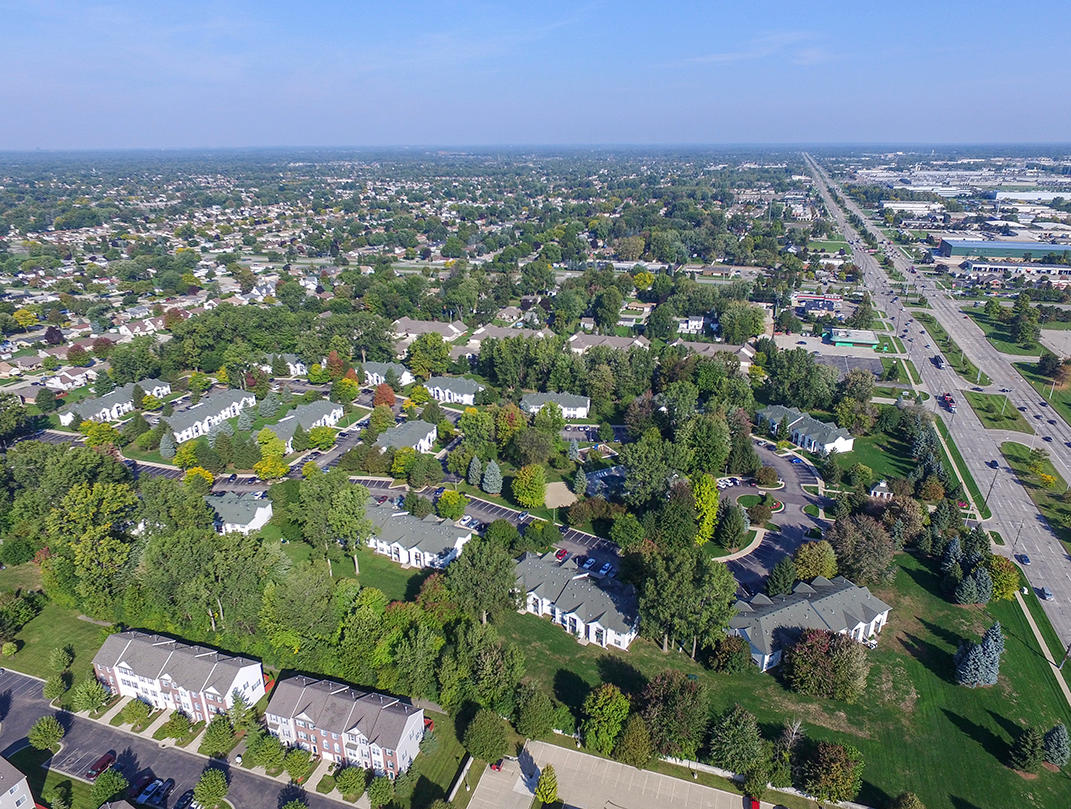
(991, 249)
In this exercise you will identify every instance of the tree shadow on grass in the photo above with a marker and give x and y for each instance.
(937, 660)
(415, 582)
(425, 793)
(944, 633)
(612, 669)
(990, 742)
(464, 717)
(927, 580)
(1010, 727)
(871, 794)
(962, 803)
(570, 689)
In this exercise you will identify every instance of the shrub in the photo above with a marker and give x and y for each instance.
(45, 733)
(827, 664)
(485, 737)
(731, 655)
(9, 648)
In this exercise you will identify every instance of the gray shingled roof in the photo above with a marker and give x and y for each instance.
(407, 434)
(10, 775)
(458, 384)
(430, 534)
(834, 605)
(381, 368)
(609, 602)
(821, 431)
(533, 402)
(236, 509)
(339, 708)
(212, 404)
(121, 395)
(191, 667)
(306, 415)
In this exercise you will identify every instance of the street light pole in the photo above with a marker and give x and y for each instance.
(985, 500)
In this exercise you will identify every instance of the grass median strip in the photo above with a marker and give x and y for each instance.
(953, 353)
(1044, 485)
(1000, 336)
(996, 412)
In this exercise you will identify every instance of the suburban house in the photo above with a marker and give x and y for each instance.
(572, 406)
(770, 625)
(71, 378)
(314, 414)
(594, 610)
(14, 788)
(295, 366)
(239, 513)
(113, 406)
(414, 542)
(139, 328)
(693, 324)
(744, 353)
(216, 408)
(418, 435)
(406, 329)
(582, 343)
(345, 725)
(881, 490)
(453, 389)
(807, 432)
(176, 676)
(375, 373)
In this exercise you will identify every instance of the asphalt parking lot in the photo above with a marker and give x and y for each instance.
(21, 704)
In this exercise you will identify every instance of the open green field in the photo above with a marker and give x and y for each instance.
(888, 455)
(828, 246)
(989, 408)
(1050, 501)
(52, 628)
(913, 709)
(963, 366)
(1000, 335)
(1061, 397)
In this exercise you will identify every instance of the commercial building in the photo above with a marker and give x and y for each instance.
(602, 611)
(771, 625)
(176, 676)
(996, 249)
(805, 431)
(345, 725)
(852, 337)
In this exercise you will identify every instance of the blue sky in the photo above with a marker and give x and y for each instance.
(85, 74)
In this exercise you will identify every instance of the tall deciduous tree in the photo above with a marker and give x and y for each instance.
(481, 580)
(735, 743)
(673, 707)
(605, 710)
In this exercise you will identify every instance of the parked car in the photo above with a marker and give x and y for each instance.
(185, 799)
(605, 569)
(589, 563)
(1024, 559)
(465, 521)
(139, 785)
(100, 765)
(797, 460)
(162, 792)
(1046, 594)
(524, 516)
(561, 554)
(497, 766)
(149, 791)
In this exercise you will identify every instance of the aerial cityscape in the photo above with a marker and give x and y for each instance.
(695, 433)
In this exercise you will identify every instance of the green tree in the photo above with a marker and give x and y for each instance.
(604, 712)
(1057, 746)
(211, 787)
(735, 743)
(580, 483)
(534, 712)
(428, 355)
(46, 733)
(705, 491)
(626, 531)
(451, 505)
(833, 773)
(482, 579)
(485, 737)
(88, 695)
(529, 486)
(492, 478)
(1028, 750)
(732, 525)
(815, 559)
(218, 738)
(546, 790)
(110, 784)
(475, 471)
(634, 744)
(381, 420)
(782, 578)
(351, 782)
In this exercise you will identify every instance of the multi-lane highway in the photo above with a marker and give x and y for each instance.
(1014, 514)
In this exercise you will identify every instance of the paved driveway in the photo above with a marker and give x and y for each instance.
(21, 704)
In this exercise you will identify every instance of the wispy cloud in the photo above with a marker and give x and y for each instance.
(793, 44)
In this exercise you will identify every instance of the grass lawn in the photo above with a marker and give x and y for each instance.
(1061, 397)
(56, 627)
(812, 510)
(913, 708)
(437, 765)
(963, 366)
(21, 577)
(988, 408)
(888, 455)
(29, 762)
(828, 246)
(1049, 501)
(1000, 335)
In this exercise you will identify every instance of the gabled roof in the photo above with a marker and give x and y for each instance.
(836, 606)
(408, 434)
(213, 404)
(236, 509)
(339, 708)
(190, 667)
(458, 384)
(429, 535)
(533, 402)
(609, 603)
(382, 368)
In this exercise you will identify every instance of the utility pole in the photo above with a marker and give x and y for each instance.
(1067, 654)
(985, 500)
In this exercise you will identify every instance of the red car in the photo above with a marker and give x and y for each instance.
(754, 803)
(497, 766)
(429, 724)
(100, 765)
(561, 554)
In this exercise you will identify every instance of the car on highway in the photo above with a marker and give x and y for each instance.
(100, 765)
(1024, 559)
(561, 555)
(1043, 404)
(605, 569)
(1047, 438)
(994, 464)
(589, 563)
(1052, 421)
(801, 342)
(1021, 409)
(1045, 594)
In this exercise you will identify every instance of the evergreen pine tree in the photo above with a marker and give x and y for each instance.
(781, 578)
(547, 787)
(1057, 746)
(492, 478)
(574, 450)
(300, 439)
(952, 556)
(984, 583)
(245, 420)
(224, 447)
(966, 591)
(1027, 752)
(475, 473)
(136, 395)
(167, 446)
(580, 483)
